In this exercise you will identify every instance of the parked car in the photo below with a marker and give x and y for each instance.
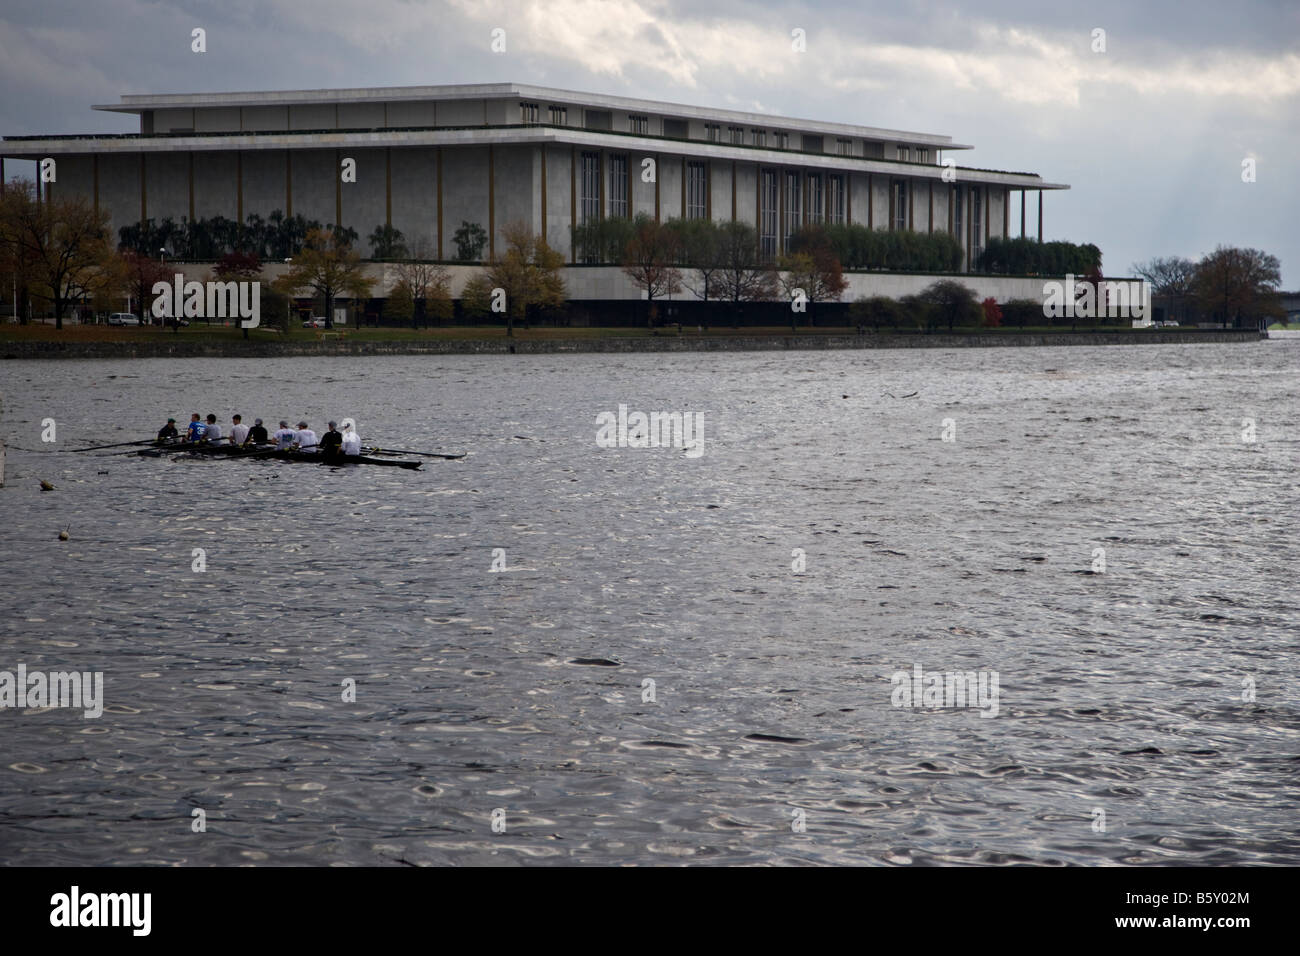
(315, 322)
(123, 318)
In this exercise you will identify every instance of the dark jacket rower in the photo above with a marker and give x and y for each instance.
(168, 432)
(257, 434)
(331, 441)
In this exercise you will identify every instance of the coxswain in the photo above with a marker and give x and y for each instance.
(195, 430)
(212, 431)
(238, 430)
(330, 441)
(351, 440)
(285, 437)
(306, 438)
(257, 434)
(168, 432)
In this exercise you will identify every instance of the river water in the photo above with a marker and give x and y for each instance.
(673, 658)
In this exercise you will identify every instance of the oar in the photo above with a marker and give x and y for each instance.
(121, 444)
(404, 451)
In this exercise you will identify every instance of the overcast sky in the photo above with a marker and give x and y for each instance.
(1150, 134)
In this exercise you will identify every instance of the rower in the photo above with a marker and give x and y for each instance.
(168, 432)
(330, 441)
(238, 430)
(285, 437)
(212, 431)
(195, 430)
(306, 438)
(257, 434)
(351, 440)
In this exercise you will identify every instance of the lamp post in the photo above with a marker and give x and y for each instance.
(288, 303)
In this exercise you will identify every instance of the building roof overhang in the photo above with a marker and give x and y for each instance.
(36, 147)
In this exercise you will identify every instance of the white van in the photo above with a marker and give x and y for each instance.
(123, 318)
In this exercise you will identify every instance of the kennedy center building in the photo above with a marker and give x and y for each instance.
(426, 159)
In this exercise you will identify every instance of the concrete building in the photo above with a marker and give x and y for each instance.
(428, 158)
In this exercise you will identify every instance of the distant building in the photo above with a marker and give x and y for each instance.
(428, 158)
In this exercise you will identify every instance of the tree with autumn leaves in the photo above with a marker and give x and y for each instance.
(58, 248)
(329, 266)
(529, 273)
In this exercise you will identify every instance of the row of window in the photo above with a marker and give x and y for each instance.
(735, 135)
(810, 198)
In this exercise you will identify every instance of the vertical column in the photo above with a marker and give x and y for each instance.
(438, 161)
(239, 186)
(288, 183)
(657, 159)
(683, 187)
(930, 215)
(573, 199)
(871, 203)
(543, 148)
(1006, 213)
(733, 190)
(1022, 214)
(191, 158)
(388, 186)
(338, 190)
(94, 165)
(144, 197)
(492, 201)
(1040, 215)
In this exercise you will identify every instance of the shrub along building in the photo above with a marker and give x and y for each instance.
(424, 160)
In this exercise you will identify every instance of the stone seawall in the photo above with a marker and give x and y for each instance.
(266, 349)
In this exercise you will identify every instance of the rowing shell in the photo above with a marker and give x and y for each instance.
(236, 451)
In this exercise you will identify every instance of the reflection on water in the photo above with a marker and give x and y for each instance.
(639, 674)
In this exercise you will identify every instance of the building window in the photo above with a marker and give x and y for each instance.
(958, 204)
(793, 208)
(639, 124)
(618, 185)
(977, 223)
(758, 137)
(904, 154)
(922, 155)
(737, 135)
(815, 198)
(559, 116)
(768, 218)
(844, 147)
(697, 190)
(900, 203)
(713, 132)
(528, 112)
(675, 128)
(589, 194)
(835, 199)
(782, 140)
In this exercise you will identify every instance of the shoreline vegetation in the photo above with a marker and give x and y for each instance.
(38, 340)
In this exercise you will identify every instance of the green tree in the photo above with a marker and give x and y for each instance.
(952, 302)
(1239, 286)
(387, 243)
(470, 240)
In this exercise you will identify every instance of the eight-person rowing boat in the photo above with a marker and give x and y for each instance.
(300, 444)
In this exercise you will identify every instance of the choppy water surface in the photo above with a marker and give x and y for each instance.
(522, 690)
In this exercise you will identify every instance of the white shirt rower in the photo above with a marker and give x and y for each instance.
(238, 431)
(351, 440)
(285, 437)
(306, 438)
